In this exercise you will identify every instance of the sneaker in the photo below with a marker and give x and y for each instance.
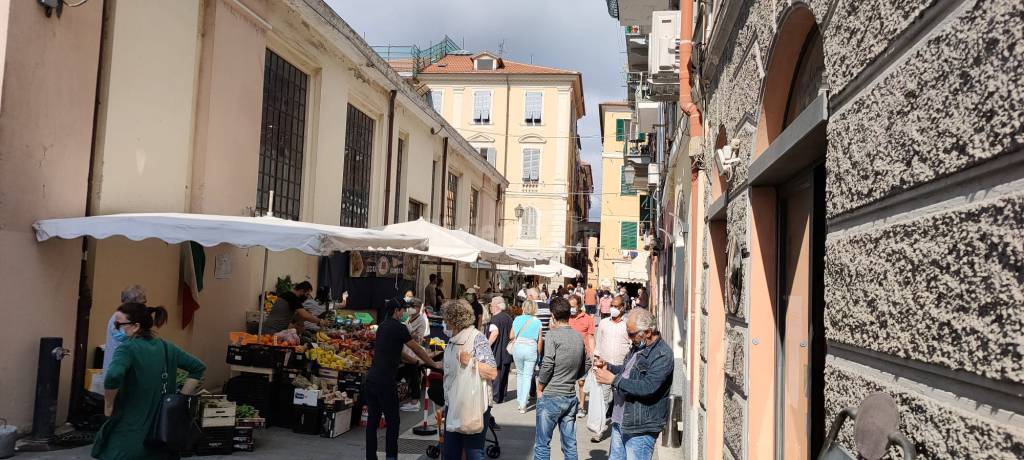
(581, 414)
(522, 410)
(411, 406)
(595, 439)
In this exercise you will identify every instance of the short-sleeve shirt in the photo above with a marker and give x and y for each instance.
(387, 352)
(532, 327)
(590, 297)
(584, 324)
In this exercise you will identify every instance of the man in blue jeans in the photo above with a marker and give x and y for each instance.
(564, 363)
(640, 387)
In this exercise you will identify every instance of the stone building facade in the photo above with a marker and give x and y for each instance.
(865, 231)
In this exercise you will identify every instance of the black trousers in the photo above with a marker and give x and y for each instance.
(381, 399)
(500, 385)
(411, 373)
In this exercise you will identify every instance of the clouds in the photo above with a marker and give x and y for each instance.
(570, 34)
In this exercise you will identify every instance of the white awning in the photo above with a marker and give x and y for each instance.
(443, 242)
(634, 271)
(494, 253)
(210, 230)
(553, 269)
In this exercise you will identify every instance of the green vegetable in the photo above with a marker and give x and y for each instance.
(245, 411)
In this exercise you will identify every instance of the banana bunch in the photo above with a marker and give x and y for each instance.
(322, 336)
(328, 359)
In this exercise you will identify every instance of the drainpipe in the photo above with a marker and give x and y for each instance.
(391, 146)
(444, 179)
(686, 103)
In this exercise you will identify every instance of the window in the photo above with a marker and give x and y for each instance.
(450, 196)
(620, 129)
(531, 166)
(534, 105)
(490, 154)
(282, 137)
(474, 201)
(627, 236)
(485, 64)
(436, 99)
(415, 210)
(355, 182)
(482, 107)
(398, 176)
(645, 208)
(625, 188)
(528, 224)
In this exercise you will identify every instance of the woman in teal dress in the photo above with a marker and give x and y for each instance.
(134, 383)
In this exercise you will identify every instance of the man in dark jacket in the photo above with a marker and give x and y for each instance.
(640, 387)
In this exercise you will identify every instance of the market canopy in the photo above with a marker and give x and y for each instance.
(551, 269)
(634, 271)
(210, 230)
(503, 255)
(443, 243)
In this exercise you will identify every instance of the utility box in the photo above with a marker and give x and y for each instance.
(663, 52)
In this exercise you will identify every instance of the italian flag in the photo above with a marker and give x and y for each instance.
(193, 263)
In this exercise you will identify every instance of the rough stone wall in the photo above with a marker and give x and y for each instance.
(937, 429)
(958, 99)
(945, 289)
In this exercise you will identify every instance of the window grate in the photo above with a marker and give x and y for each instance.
(415, 210)
(355, 189)
(282, 137)
(450, 197)
(474, 201)
(398, 176)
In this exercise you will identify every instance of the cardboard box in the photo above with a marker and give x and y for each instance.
(336, 423)
(306, 397)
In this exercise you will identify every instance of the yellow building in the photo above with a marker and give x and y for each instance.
(522, 119)
(621, 221)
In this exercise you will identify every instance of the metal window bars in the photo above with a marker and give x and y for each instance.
(282, 137)
(355, 185)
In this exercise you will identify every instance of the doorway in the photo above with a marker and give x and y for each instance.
(800, 321)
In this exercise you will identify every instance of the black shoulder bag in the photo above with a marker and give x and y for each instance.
(174, 427)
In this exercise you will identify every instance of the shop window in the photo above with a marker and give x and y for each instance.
(355, 185)
(282, 137)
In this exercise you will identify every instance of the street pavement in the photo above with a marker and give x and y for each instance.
(516, 439)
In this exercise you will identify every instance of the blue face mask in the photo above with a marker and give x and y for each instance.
(119, 336)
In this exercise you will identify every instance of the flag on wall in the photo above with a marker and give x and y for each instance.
(193, 264)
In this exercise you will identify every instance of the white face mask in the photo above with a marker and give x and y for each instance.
(444, 328)
(408, 300)
(615, 312)
(573, 311)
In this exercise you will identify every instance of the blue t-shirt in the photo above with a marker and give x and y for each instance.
(533, 326)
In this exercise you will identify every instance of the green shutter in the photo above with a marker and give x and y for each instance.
(627, 236)
(624, 188)
(620, 129)
(645, 208)
(642, 137)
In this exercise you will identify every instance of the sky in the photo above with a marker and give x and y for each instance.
(569, 34)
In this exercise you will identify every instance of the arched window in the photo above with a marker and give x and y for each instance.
(528, 225)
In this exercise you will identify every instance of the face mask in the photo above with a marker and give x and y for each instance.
(615, 312)
(444, 328)
(408, 300)
(119, 336)
(573, 311)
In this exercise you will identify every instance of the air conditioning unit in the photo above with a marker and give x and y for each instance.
(663, 53)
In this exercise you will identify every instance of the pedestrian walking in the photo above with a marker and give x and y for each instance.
(641, 388)
(613, 344)
(590, 299)
(583, 324)
(498, 332)
(564, 364)
(526, 339)
(135, 381)
(115, 337)
(467, 345)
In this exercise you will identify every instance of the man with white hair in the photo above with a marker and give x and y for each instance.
(131, 294)
(641, 388)
(498, 333)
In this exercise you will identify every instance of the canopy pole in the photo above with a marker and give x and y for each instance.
(263, 290)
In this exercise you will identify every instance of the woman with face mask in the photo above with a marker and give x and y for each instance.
(419, 327)
(527, 339)
(135, 382)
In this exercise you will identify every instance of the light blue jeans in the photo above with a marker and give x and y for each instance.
(525, 357)
(631, 446)
(552, 411)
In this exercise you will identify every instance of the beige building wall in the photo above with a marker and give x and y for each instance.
(47, 94)
(509, 135)
(615, 207)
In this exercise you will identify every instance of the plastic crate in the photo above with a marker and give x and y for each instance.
(238, 355)
(216, 441)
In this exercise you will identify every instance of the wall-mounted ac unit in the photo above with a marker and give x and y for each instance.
(663, 53)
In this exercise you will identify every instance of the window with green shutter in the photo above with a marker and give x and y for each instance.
(620, 129)
(645, 208)
(624, 188)
(627, 236)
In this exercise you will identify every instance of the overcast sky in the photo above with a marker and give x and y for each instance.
(570, 34)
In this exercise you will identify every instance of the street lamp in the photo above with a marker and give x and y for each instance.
(519, 211)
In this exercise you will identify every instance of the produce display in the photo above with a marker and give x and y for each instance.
(342, 351)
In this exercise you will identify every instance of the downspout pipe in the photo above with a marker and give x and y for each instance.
(686, 103)
(391, 146)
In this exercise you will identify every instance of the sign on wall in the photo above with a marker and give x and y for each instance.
(380, 264)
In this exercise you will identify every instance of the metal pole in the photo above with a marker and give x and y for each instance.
(263, 290)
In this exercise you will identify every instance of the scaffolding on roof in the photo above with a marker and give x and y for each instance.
(409, 60)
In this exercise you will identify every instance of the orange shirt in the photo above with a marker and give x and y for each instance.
(584, 324)
(590, 297)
